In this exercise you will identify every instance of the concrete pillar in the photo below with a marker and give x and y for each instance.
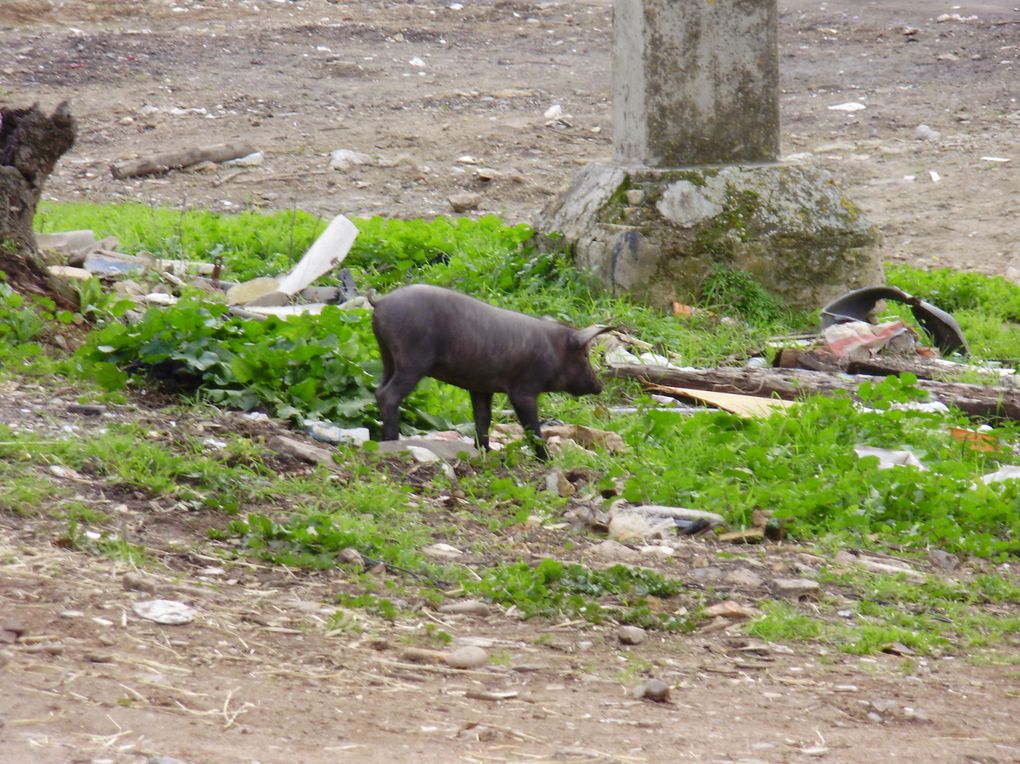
(695, 82)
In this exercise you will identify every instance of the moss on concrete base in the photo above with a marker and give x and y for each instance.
(657, 233)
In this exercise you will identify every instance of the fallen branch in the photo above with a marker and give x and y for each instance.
(922, 368)
(172, 160)
(796, 384)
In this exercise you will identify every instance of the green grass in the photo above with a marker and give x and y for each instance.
(799, 465)
(930, 618)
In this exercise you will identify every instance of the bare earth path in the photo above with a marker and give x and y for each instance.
(447, 99)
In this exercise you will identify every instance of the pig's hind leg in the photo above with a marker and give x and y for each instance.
(391, 394)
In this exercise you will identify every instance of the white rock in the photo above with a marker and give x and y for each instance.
(344, 159)
(442, 551)
(164, 611)
(848, 106)
(554, 112)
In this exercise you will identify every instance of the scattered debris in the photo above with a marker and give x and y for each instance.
(862, 304)
(325, 254)
(888, 458)
(330, 433)
(746, 406)
(1011, 472)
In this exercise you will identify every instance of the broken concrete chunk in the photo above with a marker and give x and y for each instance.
(443, 449)
(306, 452)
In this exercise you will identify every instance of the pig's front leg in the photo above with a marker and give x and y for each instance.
(526, 407)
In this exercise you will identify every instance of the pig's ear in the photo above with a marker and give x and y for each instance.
(582, 337)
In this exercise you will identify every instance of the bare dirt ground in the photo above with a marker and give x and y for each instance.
(421, 86)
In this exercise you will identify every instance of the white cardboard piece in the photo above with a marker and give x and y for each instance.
(325, 254)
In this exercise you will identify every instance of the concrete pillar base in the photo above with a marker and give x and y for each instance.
(656, 233)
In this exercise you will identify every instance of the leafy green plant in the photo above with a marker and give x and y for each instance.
(315, 366)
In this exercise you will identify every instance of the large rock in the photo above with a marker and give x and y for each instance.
(657, 233)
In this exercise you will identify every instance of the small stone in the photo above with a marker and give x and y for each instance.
(743, 577)
(351, 556)
(925, 133)
(631, 635)
(556, 482)
(465, 607)
(140, 583)
(465, 202)
(469, 657)
(654, 689)
(795, 588)
(614, 551)
(707, 574)
(731, 610)
(943, 560)
(15, 627)
(634, 196)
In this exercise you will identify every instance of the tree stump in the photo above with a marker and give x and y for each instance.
(30, 145)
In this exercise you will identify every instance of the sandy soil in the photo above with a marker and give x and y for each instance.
(447, 101)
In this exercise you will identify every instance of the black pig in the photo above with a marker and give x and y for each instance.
(427, 331)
